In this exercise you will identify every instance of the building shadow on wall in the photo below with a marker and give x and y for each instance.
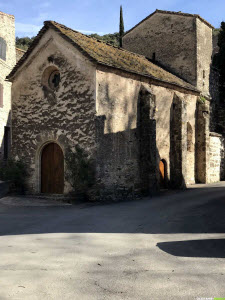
(178, 144)
(130, 158)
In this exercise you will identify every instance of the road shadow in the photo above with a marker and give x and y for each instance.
(198, 210)
(195, 248)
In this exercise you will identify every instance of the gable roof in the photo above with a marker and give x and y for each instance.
(107, 55)
(179, 13)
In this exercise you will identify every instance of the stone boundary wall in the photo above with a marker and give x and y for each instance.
(216, 156)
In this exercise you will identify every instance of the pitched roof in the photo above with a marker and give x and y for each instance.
(179, 13)
(19, 54)
(107, 55)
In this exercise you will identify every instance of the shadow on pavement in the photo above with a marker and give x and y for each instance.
(198, 210)
(195, 248)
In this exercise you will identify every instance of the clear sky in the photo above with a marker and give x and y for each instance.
(101, 16)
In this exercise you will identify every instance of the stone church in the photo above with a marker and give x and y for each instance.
(142, 112)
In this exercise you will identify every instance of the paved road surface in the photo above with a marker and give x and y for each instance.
(170, 247)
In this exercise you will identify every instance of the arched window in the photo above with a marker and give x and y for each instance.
(2, 48)
(51, 78)
(190, 145)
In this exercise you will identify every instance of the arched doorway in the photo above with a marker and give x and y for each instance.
(162, 173)
(52, 169)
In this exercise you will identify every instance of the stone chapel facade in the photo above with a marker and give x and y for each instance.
(136, 110)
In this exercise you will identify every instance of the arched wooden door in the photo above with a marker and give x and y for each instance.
(52, 169)
(162, 172)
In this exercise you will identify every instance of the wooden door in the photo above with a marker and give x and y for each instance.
(52, 170)
(162, 174)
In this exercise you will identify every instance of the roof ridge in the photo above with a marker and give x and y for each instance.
(184, 14)
(172, 13)
(20, 49)
(107, 55)
(100, 41)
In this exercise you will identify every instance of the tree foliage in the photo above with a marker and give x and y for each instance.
(80, 170)
(15, 172)
(111, 38)
(24, 42)
(219, 61)
(121, 26)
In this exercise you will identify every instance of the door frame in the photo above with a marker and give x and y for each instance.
(38, 162)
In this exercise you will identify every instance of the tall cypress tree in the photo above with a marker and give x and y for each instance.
(121, 26)
(221, 61)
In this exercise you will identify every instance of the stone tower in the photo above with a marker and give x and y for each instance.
(178, 41)
(7, 62)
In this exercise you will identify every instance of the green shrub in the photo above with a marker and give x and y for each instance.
(14, 171)
(202, 99)
(80, 171)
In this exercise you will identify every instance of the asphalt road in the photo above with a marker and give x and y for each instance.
(167, 247)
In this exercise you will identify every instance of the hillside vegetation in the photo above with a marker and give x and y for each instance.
(111, 38)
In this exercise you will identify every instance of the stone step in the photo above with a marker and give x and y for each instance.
(56, 197)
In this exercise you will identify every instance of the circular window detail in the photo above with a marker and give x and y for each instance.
(51, 78)
(54, 80)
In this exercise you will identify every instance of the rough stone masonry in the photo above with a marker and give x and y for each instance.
(142, 113)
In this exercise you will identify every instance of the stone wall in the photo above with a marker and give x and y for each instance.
(123, 159)
(7, 32)
(173, 40)
(164, 110)
(121, 120)
(216, 152)
(183, 44)
(202, 142)
(204, 55)
(178, 142)
(65, 116)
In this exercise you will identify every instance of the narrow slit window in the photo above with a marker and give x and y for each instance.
(153, 56)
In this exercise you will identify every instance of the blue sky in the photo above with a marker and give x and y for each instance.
(101, 16)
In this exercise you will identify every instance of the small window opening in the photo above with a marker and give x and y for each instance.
(203, 74)
(51, 78)
(54, 80)
(153, 56)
